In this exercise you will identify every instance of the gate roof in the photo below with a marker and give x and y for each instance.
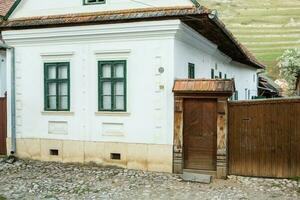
(206, 86)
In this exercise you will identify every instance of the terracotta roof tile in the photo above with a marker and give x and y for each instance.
(5, 5)
(204, 86)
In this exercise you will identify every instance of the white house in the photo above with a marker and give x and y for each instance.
(93, 78)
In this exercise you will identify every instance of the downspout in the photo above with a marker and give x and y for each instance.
(13, 98)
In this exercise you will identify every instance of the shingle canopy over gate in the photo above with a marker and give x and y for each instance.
(207, 86)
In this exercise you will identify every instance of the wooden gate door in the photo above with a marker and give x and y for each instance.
(200, 134)
(2, 126)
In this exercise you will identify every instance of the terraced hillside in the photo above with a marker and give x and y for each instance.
(266, 27)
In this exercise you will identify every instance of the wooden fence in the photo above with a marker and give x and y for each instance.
(2, 126)
(264, 138)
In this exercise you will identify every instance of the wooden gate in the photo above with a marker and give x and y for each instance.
(200, 134)
(2, 126)
(264, 138)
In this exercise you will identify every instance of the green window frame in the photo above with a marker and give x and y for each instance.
(236, 95)
(191, 69)
(57, 86)
(93, 2)
(112, 82)
(212, 74)
(220, 75)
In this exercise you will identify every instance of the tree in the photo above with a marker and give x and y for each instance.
(289, 66)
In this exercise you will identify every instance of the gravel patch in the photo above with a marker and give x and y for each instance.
(26, 179)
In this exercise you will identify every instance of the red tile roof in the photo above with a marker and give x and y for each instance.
(197, 18)
(5, 5)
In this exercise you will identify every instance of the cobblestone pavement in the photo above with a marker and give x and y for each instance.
(42, 180)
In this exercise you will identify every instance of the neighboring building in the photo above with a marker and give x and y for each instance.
(267, 88)
(6, 7)
(96, 85)
(298, 84)
(2, 72)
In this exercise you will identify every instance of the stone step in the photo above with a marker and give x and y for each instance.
(195, 177)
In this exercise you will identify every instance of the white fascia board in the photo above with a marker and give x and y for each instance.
(190, 36)
(126, 31)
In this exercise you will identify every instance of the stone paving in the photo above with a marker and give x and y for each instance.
(42, 180)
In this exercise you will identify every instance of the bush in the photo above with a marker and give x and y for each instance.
(289, 66)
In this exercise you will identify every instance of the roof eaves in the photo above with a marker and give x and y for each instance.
(252, 60)
(133, 15)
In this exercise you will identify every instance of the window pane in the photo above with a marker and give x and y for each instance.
(119, 102)
(51, 72)
(51, 88)
(119, 70)
(52, 103)
(63, 72)
(95, 1)
(63, 103)
(119, 88)
(63, 89)
(106, 71)
(106, 102)
(106, 88)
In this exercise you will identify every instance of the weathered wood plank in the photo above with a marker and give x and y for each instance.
(264, 138)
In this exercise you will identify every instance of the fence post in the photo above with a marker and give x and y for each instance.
(222, 116)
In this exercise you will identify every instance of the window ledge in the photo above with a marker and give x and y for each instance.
(58, 113)
(104, 113)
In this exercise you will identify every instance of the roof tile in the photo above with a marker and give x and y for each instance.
(197, 18)
(204, 86)
(5, 5)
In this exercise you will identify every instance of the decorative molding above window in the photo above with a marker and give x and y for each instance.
(92, 2)
(117, 54)
(56, 54)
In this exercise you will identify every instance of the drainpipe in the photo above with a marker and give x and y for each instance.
(13, 99)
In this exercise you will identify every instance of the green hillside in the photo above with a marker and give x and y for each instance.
(266, 27)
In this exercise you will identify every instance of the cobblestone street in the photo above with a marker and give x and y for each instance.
(40, 180)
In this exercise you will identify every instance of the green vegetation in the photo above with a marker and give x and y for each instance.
(295, 179)
(267, 27)
(2, 197)
(290, 67)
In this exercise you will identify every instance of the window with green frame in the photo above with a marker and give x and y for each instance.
(212, 72)
(57, 86)
(191, 71)
(112, 86)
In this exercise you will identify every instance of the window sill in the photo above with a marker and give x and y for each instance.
(58, 113)
(104, 113)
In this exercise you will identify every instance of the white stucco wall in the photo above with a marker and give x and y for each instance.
(146, 46)
(56, 7)
(192, 48)
(2, 73)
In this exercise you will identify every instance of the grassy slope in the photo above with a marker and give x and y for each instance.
(266, 27)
